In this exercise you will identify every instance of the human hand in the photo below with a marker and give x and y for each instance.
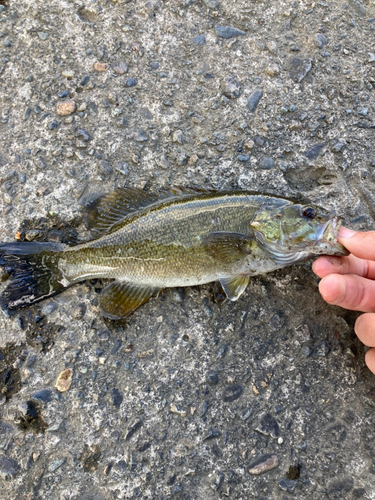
(349, 282)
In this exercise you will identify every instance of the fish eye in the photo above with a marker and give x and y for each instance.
(309, 213)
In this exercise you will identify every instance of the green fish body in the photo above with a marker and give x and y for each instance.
(182, 238)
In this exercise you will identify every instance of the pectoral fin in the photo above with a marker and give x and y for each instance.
(228, 247)
(118, 300)
(234, 286)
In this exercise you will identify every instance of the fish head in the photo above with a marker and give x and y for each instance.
(294, 232)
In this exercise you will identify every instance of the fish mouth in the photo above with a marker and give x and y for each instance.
(327, 236)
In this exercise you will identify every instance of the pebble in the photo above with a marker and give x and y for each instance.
(8, 467)
(307, 351)
(65, 108)
(154, 65)
(313, 153)
(98, 66)
(84, 80)
(271, 47)
(193, 159)
(42, 35)
(64, 380)
(337, 147)
(174, 409)
(287, 485)
(212, 377)
(178, 137)
(62, 94)
(54, 124)
(273, 69)
(26, 114)
(131, 82)
(263, 463)
(230, 87)
(228, 32)
(322, 349)
(56, 464)
(121, 68)
(299, 68)
(84, 134)
(268, 426)
(243, 158)
(68, 73)
(232, 392)
(199, 40)
(132, 429)
(266, 163)
(212, 4)
(44, 395)
(254, 99)
(212, 433)
(48, 308)
(320, 40)
(182, 158)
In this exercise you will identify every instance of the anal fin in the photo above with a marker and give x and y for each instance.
(234, 286)
(118, 300)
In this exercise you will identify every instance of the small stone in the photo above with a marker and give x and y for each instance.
(193, 159)
(371, 57)
(320, 40)
(232, 392)
(8, 467)
(230, 87)
(243, 158)
(132, 429)
(363, 111)
(268, 426)
(212, 4)
(273, 69)
(154, 65)
(313, 153)
(254, 99)
(84, 134)
(84, 80)
(65, 108)
(337, 147)
(120, 68)
(27, 114)
(228, 32)
(48, 308)
(322, 349)
(199, 40)
(54, 124)
(44, 395)
(212, 377)
(131, 82)
(56, 464)
(266, 163)
(263, 463)
(174, 409)
(248, 144)
(182, 158)
(98, 66)
(64, 380)
(178, 137)
(299, 68)
(42, 35)
(271, 47)
(68, 73)
(212, 433)
(287, 485)
(307, 351)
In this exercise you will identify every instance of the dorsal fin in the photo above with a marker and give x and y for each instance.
(105, 212)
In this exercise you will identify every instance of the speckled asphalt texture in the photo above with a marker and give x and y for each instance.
(191, 393)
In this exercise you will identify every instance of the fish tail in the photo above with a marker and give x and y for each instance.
(33, 271)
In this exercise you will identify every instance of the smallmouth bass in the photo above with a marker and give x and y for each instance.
(181, 237)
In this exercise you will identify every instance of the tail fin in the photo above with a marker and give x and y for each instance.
(34, 273)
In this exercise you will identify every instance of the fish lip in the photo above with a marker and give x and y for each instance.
(328, 233)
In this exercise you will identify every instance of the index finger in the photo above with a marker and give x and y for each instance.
(360, 244)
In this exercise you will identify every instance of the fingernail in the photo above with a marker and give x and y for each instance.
(346, 233)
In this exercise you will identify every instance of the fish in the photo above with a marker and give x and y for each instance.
(145, 242)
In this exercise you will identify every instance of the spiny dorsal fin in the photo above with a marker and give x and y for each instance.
(234, 286)
(118, 300)
(105, 212)
(228, 247)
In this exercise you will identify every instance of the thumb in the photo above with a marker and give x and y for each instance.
(360, 244)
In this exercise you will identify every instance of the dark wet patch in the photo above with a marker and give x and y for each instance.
(49, 229)
(32, 420)
(10, 378)
(90, 457)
